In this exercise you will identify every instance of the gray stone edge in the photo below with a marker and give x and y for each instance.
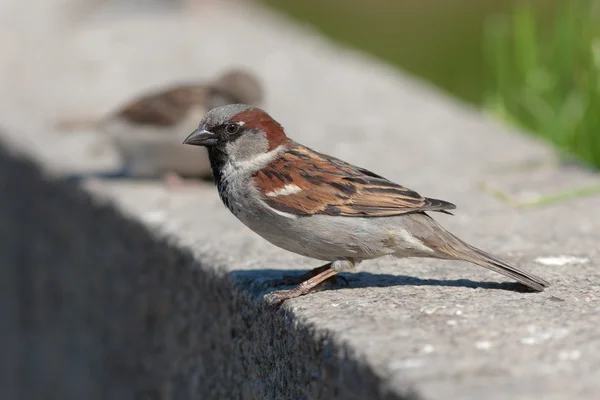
(93, 305)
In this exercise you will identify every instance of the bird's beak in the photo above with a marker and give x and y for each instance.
(201, 137)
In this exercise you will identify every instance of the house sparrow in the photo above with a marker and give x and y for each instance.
(144, 131)
(321, 207)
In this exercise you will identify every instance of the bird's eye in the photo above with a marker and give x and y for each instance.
(232, 128)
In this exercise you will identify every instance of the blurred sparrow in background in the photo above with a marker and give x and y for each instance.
(146, 131)
(321, 207)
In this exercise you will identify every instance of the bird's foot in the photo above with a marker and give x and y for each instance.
(311, 282)
(289, 280)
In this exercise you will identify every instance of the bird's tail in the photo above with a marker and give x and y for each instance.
(449, 246)
(486, 260)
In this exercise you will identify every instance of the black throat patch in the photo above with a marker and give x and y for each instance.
(218, 159)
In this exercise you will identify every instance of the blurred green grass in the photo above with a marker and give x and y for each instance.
(546, 81)
(438, 40)
(532, 63)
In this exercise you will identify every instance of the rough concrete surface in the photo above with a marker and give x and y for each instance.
(442, 329)
(93, 306)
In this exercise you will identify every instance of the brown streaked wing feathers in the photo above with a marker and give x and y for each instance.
(333, 187)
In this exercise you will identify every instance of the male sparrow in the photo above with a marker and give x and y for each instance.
(144, 131)
(322, 207)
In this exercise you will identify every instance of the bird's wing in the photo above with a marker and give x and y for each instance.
(164, 108)
(305, 182)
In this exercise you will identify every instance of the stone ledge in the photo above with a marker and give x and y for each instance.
(94, 306)
(446, 330)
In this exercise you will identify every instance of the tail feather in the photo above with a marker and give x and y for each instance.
(490, 262)
(448, 246)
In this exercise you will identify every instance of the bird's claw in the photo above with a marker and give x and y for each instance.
(276, 298)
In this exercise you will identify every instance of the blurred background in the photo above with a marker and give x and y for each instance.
(84, 278)
(533, 64)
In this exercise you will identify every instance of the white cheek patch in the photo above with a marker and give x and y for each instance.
(284, 191)
(254, 164)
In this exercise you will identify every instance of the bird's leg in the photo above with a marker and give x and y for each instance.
(305, 287)
(298, 279)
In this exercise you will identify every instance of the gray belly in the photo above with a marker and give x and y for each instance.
(324, 237)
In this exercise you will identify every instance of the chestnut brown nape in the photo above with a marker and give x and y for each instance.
(257, 119)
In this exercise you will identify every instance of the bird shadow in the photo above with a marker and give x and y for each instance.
(261, 279)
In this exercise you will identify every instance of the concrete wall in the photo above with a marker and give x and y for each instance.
(130, 289)
(94, 306)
